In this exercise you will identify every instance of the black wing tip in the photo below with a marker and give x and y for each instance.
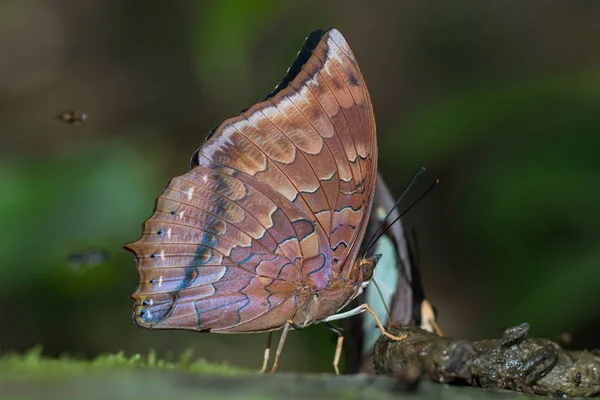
(306, 51)
(195, 161)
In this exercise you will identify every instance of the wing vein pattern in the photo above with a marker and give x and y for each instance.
(275, 202)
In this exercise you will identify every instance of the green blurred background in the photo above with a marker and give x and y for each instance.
(499, 99)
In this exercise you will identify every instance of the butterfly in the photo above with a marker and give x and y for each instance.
(398, 296)
(263, 233)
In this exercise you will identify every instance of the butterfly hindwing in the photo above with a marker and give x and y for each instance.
(220, 252)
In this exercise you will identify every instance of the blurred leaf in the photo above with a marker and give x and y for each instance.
(222, 33)
(535, 216)
(465, 120)
(531, 149)
(564, 293)
(531, 194)
(99, 194)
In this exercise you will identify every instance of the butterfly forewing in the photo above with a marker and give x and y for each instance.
(276, 202)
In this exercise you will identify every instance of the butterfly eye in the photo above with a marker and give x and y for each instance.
(367, 271)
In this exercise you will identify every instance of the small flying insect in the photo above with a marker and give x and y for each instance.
(72, 117)
(84, 260)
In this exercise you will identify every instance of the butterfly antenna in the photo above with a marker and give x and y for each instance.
(415, 245)
(382, 222)
(387, 310)
(415, 261)
(372, 243)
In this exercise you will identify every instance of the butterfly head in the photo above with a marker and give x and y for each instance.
(366, 268)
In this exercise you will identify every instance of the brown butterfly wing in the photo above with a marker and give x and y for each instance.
(276, 202)
(314, 142)
(218, 253)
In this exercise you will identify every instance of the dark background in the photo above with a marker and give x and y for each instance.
(498, 99)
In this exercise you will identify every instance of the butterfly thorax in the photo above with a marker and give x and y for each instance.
(315, 306)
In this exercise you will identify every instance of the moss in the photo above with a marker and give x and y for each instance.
(32, 365)
(115, 376)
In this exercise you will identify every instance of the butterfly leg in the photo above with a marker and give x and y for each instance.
(267, 352)
(428, 318)
(286, 329)
(436, 328)
(338, 348)
(384, 332)
(361, 309)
